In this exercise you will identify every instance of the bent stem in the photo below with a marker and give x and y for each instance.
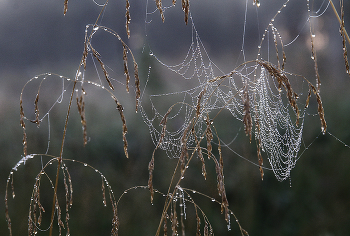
(65, 131)
(60, 159)
(339, 20)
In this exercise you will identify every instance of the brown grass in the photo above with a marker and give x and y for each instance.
(190, 140)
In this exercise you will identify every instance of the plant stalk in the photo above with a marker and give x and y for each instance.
(339, 20)
(60, 159)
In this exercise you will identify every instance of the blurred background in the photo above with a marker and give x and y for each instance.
(36, 38)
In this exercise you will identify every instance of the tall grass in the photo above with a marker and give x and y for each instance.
(269, 103)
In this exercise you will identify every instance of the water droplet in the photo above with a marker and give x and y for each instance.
(85, 164)
(213, 199)
(95, 28)
(313, 35)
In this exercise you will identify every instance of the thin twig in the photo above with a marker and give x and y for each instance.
(339, 20)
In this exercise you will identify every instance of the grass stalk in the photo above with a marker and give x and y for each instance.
(339, 20)
(60, 159)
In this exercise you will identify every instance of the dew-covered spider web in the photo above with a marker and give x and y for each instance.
(268, 102)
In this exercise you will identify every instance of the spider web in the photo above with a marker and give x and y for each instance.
(277, 123)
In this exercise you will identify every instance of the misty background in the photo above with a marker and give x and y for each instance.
(36, 38)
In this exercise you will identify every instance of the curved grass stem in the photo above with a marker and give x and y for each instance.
(339, 20)
(60, 159)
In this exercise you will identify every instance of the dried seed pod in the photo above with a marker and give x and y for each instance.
(247, 119)
(260, 159)
(150, 178)
(97, 56)
(103, 192)
(125, 130)
(85, 52)
(308, 98)
(206, 231)
(184, 149)
(343, 34)
(219, 167)
(198, 233)
(24, 140)
(256, 2)
(137, 84)
(65, 7)
(282, 80)
(67, 195)
(186, 9)
(81, 110)
(36, 109)
(127, 17)
(126, 71)
(319, 109)
(200, 154)
(321, 113)
(209, 137)
(160, 8)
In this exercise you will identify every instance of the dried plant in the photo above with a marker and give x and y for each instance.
(258, 93)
